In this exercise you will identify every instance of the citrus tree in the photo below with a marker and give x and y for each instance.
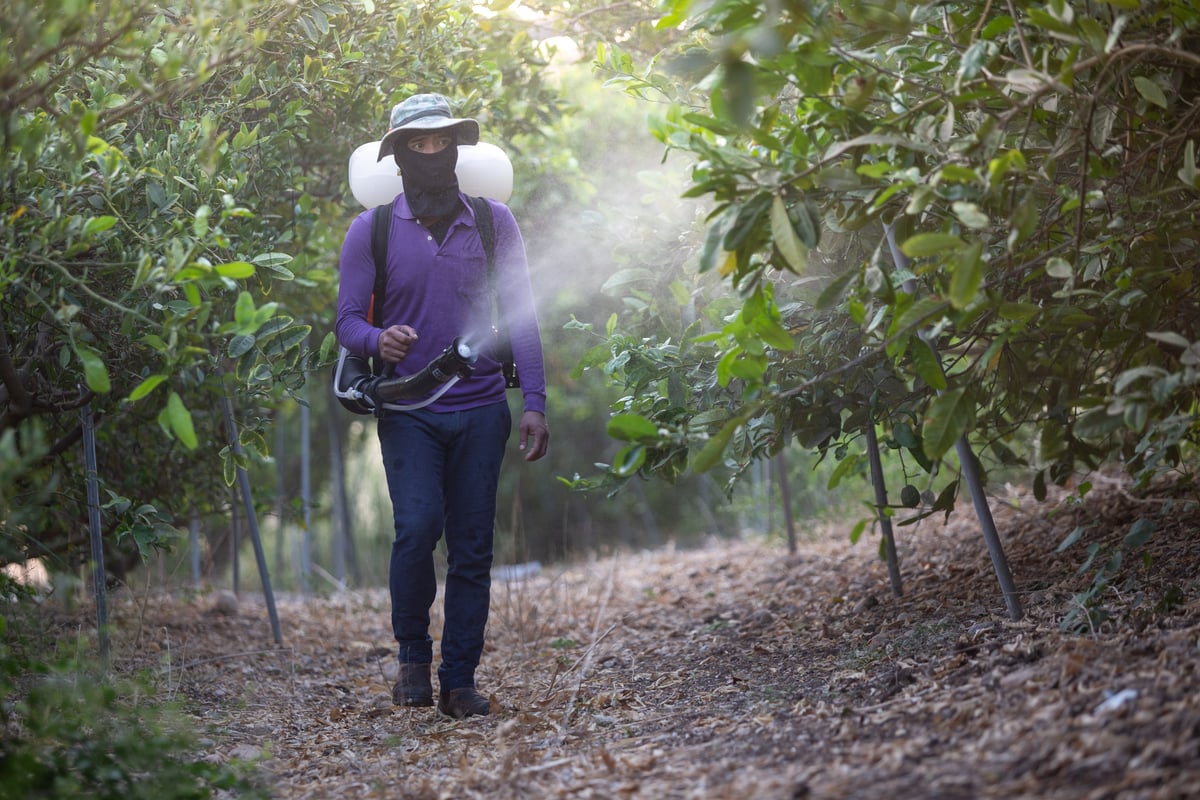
(938, 218)
(172, 201)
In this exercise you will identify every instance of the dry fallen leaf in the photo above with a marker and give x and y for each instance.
(736, 672)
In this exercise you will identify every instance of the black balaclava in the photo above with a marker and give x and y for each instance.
(430, 183)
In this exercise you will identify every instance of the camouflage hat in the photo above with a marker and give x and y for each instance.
(424, 113)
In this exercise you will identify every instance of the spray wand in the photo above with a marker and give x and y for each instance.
(365, 393)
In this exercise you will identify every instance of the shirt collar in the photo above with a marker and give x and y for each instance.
(404, 212)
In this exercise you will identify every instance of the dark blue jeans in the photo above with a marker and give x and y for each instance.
(442, 471)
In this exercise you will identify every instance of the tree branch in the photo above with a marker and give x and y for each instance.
(19, 400)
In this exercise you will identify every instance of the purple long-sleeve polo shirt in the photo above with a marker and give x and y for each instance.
(441, 291)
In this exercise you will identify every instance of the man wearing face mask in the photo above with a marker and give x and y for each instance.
(442, 461)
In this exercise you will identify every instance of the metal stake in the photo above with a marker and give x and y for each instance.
(881, 502)
(966, 460)
(194, 543)
(252, 522)
(93, 501)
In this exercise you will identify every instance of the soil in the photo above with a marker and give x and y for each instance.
(741, 670)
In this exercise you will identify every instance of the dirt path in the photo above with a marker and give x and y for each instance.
(740, 672)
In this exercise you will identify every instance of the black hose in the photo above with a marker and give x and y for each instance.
(456, 360)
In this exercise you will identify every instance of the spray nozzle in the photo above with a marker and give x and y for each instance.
(455, 362)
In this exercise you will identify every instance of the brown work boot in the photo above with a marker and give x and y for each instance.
(413, 686)
(464, 702)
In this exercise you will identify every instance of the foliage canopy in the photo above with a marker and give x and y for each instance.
(944, 218)
(172, 200)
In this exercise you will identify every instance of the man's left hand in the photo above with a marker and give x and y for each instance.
(535, 435)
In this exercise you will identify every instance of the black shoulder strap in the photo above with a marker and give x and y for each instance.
(487, 231)
(381, 229)
(487, 236)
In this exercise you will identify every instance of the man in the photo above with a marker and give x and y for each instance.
(442, 461)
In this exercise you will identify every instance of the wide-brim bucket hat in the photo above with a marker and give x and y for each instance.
(423, 113)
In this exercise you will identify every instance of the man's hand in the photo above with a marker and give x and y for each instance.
(535, 436)
(395, 342)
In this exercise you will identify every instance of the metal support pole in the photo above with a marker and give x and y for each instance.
(337, 470)
(991, 536)
(93, 500)
(306, 543)
(966, 460)
(785, 496)
(194, 544)
(252, 522)
(235, 542)
(280, 492)
(881, 503)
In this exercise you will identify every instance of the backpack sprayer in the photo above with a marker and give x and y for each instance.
(362, 392)
(483, 170)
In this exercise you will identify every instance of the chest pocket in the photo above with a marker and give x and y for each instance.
(467, 268)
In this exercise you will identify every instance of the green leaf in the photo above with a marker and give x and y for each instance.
(1129, 376)
(794, 253)
(240, 344)
(246, 137)
(1096, 423)
(971, 215)
(1094, 34)
(95, 373)
(272, 259)
(1010, 161)
(712, 249)
(631, 428)
(956, 173)
(847, 466)
(627, 277)
(1057, 267)
(1170, 338)
(146, 387)
(200, 219)
(1022, 312)
(274, 326)
(771, 331)
(747, 220)
(710, 455)
(293, 337)
(228, 465)
(929, 244)
(1188, 173)
(98, 225)
(922, 312)
(1150, 91)
(243, 313)
(949, 416)
(1072, 537)
(264, 313)
(902, 432)
(275, 263)
(945, 498)
(629, 460)
(968, 276)
(1023, 223)
(1139, 533)
(180, 420)
(236, 270)
(927, 365)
